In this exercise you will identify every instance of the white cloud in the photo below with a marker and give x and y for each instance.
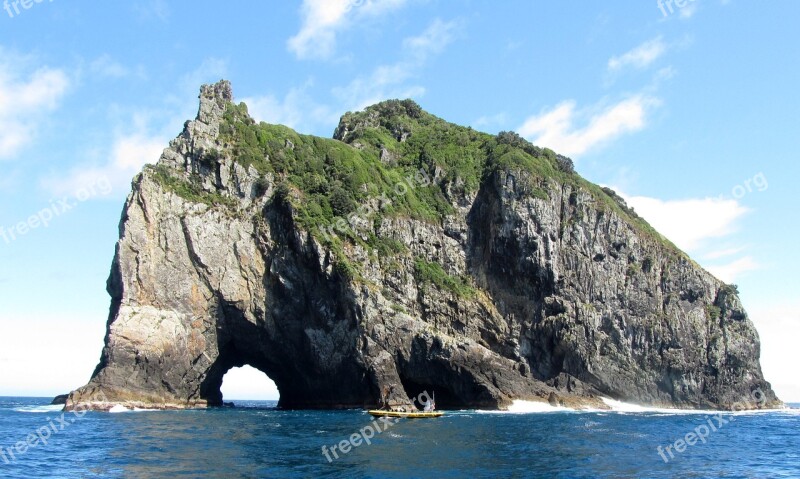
(778, 327)
(555, 128)
(128, 154)
(25, 100)
(690, 223)
(105, 66)
(389, 81)
(296, 110)
(688, 11)
(384, 82)
(323, 19)
(487, 121)
(210, 71)
(662, 75)
(139, 140)
(131, 153)
(694, 225)
(640, 57)
(731, 272)
(46, 372)
(722, 253)
(152, 9)
(433, 40)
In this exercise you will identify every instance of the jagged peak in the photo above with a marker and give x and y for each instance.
(214, 99)
(220, 92)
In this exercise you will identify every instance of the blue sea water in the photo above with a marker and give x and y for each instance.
(255, 440)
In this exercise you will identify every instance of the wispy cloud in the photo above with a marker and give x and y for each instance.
(695, 225)
(731, 272)
(689, 10)
(690, 223)
(105, 66)
(25, 98)
(555, 128)
(392, 81)
(640, 57)
(322, 20)
(489, 121)
(433, 40)
(297, 109)
(126, 157)
(211, 70)
(152, 10)
(722, 253)
(140, 139)
(776, 323)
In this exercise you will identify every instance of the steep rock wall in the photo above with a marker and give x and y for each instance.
(529, 287)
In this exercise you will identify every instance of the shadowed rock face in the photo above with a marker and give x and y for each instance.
(564, 299)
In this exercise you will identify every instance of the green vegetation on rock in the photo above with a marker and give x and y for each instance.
(713, 312)
(332, 177)
(432, 273)
(190, 189)
(396, 158)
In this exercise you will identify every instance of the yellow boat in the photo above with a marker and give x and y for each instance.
(411, 415)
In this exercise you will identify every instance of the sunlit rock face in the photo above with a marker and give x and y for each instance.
(478, 268)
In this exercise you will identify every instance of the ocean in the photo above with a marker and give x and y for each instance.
(256, 440)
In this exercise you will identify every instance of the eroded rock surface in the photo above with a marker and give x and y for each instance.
(538, 289)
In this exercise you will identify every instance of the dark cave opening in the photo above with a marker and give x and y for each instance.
(417, 391)
(245, 368)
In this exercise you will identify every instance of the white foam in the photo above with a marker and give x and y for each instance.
(619, 406)
(529, 407)
(120, 408)
(534, 407)
(40, 409)
(622, 407)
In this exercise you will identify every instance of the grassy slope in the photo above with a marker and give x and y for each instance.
(333, 178)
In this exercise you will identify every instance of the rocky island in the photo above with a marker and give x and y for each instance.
(406, 254)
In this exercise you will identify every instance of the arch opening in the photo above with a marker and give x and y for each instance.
(247, 383)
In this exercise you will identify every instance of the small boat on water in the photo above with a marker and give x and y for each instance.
(410, 415)
(428, 411)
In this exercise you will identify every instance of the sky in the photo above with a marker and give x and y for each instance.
(691, 113)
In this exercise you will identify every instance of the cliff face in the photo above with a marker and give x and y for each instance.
(405, 255)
